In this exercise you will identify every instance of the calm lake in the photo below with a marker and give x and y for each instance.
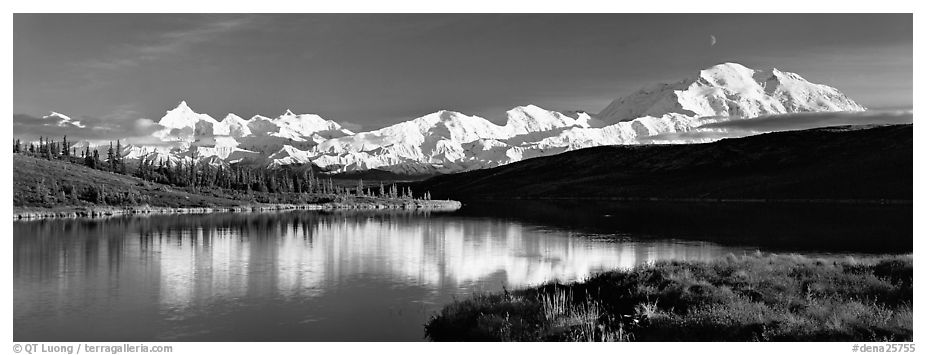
(377, 276)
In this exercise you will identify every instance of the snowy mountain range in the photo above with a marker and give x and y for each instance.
(447, 141)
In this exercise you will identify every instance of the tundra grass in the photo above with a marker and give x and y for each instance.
(736, 298)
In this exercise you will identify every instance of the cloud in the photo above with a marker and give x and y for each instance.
(30, 127)
(61, 120)
(94, 129)
(168, 44)
(787, 122)
(808, 120)
(353, 127)
(144, 124)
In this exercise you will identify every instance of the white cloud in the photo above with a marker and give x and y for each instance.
(122, 123)
(786, 122)
(61, 120)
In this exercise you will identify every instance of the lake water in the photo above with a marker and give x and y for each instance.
(343, 276)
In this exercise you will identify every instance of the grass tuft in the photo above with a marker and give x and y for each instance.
(736, 298)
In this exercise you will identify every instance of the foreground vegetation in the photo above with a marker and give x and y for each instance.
(747, 298)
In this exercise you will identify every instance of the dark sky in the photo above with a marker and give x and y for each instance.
(377, 69)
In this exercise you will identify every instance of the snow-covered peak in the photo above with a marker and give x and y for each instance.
(289, 155)
(796, 94)
(231, 117)
(531, 118)
(448, 141)
(730, 89)
(453, 125)
(726, 71)
(776, 74)
(306, 124)
(184, 117)
(150, 153)
(442, 116)
(235, 126)
(286, 151)
(261, 125)
(414, 137)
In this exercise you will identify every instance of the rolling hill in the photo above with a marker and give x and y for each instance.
(841, 163)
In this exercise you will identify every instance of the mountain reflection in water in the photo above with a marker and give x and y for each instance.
(303, 276)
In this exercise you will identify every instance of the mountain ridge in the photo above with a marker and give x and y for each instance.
(447, 141)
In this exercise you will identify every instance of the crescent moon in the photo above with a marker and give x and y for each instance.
(713, 40)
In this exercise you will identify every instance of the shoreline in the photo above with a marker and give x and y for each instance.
(39, 213)
(701, 200)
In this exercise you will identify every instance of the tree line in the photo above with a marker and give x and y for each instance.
(63, 150)
(200, 174)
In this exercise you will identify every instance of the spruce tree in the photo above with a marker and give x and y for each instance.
(168, 171)
(120, 161)
(312, 181)
(95, 163)
(111, 157)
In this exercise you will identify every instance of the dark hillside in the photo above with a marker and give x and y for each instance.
(828, 163)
